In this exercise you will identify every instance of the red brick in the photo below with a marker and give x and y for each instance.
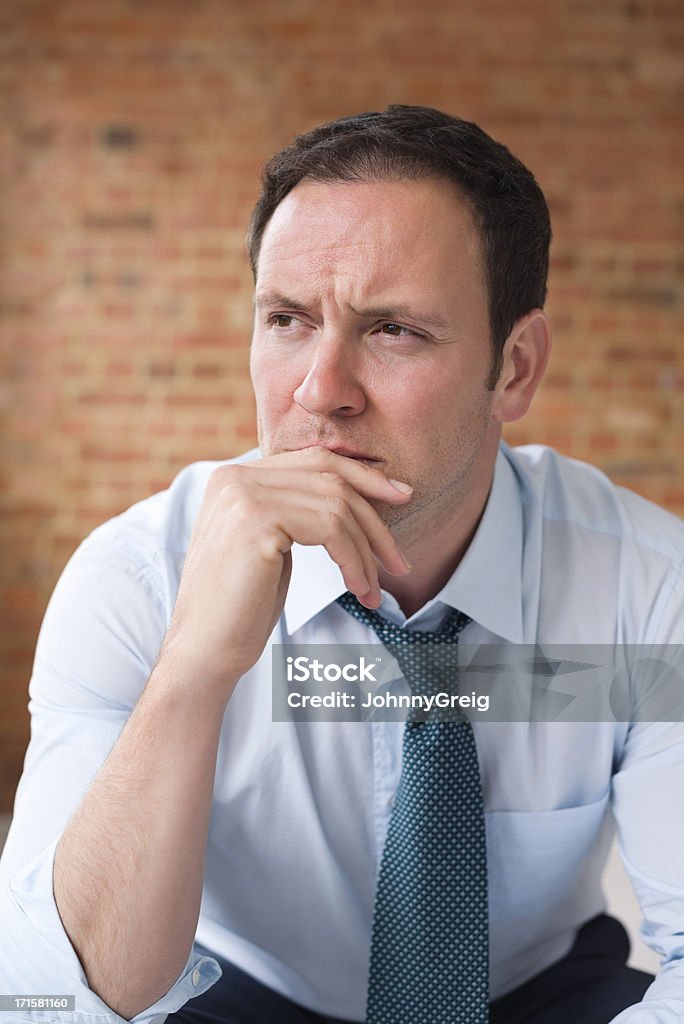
(125, 307)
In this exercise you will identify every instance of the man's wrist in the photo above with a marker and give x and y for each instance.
(186, 683)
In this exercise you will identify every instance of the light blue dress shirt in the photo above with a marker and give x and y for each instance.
(301, 808)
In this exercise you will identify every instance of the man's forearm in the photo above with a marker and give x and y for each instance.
(129, 867)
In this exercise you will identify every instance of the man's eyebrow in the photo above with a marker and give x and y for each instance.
(276, 299)
(403, 312)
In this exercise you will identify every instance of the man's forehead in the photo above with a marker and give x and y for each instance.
(379, 231)
(350, 204)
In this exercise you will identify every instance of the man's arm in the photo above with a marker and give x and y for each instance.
(98, 643)
(648, 803)
(128, 869)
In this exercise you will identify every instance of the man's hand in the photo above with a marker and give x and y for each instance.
(238, 564)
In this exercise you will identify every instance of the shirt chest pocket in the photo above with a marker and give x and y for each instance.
(545, 858)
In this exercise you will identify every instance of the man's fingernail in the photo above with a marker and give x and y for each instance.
(404, 488)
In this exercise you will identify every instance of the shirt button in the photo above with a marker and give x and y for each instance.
(196, 975)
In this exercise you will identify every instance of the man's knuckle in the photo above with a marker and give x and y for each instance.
(225, 471)
(336, 506)
(316, 453)
(335, 483)
(223, 477)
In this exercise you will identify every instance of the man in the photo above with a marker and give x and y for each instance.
(400, 264)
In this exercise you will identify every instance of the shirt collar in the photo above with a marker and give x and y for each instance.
(486, 585)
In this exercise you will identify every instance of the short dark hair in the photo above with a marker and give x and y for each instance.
(409, 142)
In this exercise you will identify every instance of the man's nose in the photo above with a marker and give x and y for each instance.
(332, 385)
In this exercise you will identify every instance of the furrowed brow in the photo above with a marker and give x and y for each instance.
(403, 312)
(270, 299)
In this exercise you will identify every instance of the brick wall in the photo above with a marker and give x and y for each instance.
(131, 136)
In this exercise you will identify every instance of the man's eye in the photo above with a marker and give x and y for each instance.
(281, 319)
(398, 331)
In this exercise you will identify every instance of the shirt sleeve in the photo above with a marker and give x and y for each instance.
(647, 800)
(97, 646)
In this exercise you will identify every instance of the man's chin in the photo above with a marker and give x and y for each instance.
(394, 516)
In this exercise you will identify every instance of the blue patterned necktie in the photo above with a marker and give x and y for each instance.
(429, 961)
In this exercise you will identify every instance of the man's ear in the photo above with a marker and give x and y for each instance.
(525, 356)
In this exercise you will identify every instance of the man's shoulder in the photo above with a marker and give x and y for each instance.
(566, 489)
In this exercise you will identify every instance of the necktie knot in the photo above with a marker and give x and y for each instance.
(428, 660)
(388, 632)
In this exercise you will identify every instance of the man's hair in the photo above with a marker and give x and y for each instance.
(409, 142)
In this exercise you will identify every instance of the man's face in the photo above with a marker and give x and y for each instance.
(371, 337)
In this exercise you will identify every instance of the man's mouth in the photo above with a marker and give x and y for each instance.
(346, 452)
(349, 453)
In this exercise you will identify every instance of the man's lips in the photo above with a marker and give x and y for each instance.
(350, 453)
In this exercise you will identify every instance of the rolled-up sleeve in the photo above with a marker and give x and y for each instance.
(36, 957)
(97, 646)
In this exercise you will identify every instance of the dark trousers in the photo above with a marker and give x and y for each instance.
(591, 985)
